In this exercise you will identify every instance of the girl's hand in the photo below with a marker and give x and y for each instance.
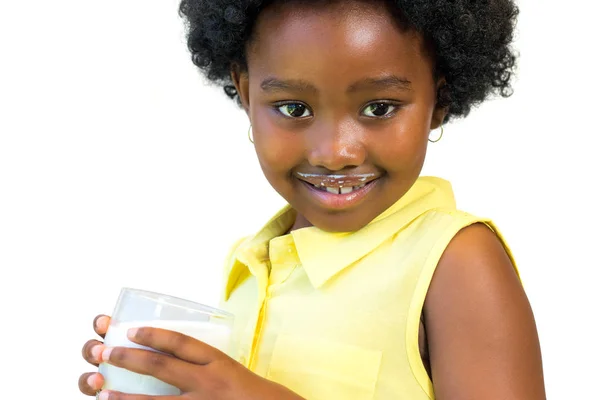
(91, 382)
(200, 371)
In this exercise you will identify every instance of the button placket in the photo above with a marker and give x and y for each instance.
(247, 348)
(281, 264)
(258, 330)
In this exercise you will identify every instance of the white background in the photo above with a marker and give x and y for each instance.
(118, 167)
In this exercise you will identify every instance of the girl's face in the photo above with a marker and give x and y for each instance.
(341, 101)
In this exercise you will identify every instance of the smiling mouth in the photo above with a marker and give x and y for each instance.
(337, 184)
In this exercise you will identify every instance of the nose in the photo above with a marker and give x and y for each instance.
(335, 146)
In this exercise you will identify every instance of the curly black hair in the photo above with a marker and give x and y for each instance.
(470, 40)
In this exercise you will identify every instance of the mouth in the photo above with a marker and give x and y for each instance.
(337, 184)
(339, 191)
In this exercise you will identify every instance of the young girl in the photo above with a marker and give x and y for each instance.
(370, 284)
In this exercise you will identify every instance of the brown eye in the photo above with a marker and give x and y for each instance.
(379, 110)
(294, 110)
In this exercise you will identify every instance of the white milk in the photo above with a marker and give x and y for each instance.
(125, 381)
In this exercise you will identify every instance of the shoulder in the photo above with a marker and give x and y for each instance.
(481, 330)
(231, 270)
(476, 252)
(233, 252)
(236, 244)
(231, 257)
(475, 265)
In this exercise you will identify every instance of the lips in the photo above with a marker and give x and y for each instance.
(338, 191)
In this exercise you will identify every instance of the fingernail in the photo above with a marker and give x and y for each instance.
(103, 395)
(91, 380)
(97, 352)
(132, 332)
(102, 323)
(106, 354)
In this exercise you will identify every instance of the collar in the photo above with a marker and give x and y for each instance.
(324, 254)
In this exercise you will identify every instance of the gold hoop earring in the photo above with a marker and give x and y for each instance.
(250, 138)
(439, 138)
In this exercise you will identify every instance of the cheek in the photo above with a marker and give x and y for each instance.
(401, 148)
(278, 150)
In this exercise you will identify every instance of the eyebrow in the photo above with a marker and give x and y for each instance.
(386, 82)
(298, 85)
(290, 85)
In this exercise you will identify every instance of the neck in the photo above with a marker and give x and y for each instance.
(301, 222)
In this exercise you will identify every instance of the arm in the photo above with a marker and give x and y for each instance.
(483, 340)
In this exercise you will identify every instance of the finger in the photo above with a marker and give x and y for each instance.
(92, 352)
(164, 367)
(101, 323)
(181, 346)
(110, 395)
(90, 383)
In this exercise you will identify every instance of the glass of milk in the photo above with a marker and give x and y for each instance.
(138, 308)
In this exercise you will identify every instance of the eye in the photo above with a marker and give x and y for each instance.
(380, 110)
(294, 110)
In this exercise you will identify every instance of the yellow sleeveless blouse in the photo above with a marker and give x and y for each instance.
(336, 315)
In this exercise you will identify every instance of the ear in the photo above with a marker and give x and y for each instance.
(242, 86)
(441, 111)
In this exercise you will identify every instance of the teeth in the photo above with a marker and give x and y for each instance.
(342, 190)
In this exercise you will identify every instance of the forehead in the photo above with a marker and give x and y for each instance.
(346, 39)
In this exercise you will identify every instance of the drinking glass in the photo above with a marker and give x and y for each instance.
(139, 308)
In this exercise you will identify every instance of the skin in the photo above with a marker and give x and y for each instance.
(339, 52)
(479, 335)
(197, 369)
(483, 342)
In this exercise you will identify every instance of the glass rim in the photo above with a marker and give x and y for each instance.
(175, 301)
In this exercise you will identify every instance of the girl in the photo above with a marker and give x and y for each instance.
(370, 284)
